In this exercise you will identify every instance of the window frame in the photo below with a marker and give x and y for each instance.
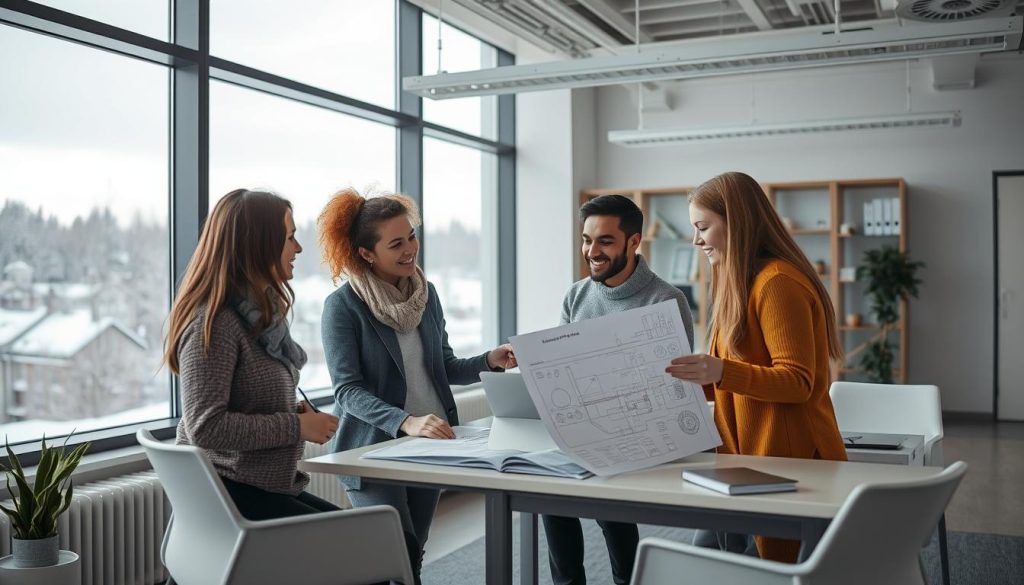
(191, 68)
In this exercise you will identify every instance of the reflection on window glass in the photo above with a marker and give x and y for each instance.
(459, 52)
(147, 17)
(343, 46)
(84, 255)
(305, 154)
(459, 226)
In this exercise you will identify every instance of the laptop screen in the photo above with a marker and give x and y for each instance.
(507, 395)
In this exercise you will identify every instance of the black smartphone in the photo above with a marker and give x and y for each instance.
(308, 401)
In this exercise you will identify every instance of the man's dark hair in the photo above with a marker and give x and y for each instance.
(631, 219)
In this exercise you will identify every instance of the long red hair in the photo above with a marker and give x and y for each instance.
(349, 221)
(755, 233)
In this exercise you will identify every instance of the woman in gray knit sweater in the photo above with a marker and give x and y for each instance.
(229, 343)
(386, 346)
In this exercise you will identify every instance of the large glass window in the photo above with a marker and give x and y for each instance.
(84, 254)
(460, 248)
(148, 17)
(305, 154)
(91, 220)
(344, 46)
(459, 52)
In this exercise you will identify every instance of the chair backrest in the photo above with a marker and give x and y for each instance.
(205, 527)
(877, 534)
(890, 408)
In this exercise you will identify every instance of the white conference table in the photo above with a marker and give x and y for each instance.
(654, 496)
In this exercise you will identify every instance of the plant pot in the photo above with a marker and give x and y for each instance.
(35, 552)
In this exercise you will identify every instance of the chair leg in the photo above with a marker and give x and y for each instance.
(943, 550)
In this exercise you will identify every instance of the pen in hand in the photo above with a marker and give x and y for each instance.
(308, 401)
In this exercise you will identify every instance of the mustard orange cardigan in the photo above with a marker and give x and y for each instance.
(774, 400)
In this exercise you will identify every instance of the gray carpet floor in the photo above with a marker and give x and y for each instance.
(975, 559)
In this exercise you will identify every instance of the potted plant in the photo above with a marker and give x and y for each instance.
(37, 505)
(891, 278)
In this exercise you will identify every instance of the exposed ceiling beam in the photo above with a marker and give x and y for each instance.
(691, 12)
(562, 12)
(628, 6)
(711, 24)
(755, 13)
(615, 19)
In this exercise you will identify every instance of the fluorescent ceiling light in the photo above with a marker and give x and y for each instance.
(734, 54)
(640, 138)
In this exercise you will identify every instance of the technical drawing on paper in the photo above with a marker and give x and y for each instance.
(616, 404)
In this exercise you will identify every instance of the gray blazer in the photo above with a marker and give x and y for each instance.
(366, 369)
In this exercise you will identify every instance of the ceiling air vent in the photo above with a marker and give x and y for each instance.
(953, 10)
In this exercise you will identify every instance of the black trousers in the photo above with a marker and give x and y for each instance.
(256, 504)
(565, 549)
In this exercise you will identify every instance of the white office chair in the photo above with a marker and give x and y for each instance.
(208, 542)
(891, 408)
(896, 409)
(874, 539)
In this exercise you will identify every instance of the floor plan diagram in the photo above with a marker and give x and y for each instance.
(601, 389)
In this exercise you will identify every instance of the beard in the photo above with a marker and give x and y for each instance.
(615, 265)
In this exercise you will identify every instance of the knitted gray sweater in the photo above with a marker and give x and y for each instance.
(239, 406)
(587, 299)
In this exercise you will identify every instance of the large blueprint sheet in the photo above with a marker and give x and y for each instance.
(601, 389)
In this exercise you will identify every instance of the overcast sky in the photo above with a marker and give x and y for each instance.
(80, 127)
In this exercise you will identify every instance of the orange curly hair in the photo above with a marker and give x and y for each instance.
(349, 221)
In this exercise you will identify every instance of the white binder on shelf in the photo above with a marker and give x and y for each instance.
(879, 218)
(869, 218)
(896, 226)
(887, 217)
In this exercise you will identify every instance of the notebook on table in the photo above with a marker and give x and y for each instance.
(736, 481)
(873, 440)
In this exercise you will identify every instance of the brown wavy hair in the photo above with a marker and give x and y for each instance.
(239, 250)
(349, 221)
(754, 233)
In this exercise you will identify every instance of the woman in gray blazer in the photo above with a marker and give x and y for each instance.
(386, 346)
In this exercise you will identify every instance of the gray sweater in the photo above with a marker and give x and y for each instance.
(588, 299)
(239, 405)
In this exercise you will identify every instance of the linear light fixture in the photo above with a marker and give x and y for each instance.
(734, 54)
(642, 138)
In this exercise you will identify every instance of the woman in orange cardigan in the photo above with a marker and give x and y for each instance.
(773, 335)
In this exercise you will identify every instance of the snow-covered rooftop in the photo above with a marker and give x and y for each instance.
(62, 335)
(13, 323)
(71, 291)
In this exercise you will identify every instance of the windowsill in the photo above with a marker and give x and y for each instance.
(99, 466)
(132, 458)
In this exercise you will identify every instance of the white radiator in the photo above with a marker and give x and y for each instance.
(116, 525)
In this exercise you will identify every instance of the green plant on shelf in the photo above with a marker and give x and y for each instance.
(891, 278)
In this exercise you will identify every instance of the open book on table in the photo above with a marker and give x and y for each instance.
(469, 449)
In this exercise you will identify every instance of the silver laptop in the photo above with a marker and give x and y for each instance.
(516, 424)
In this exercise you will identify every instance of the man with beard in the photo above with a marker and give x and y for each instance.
(619, 280)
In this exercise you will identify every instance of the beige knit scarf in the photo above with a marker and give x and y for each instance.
(399, 307)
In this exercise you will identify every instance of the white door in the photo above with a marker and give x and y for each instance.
(1010, 295)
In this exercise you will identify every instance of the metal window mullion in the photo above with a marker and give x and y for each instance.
(409, 39)
(93, 33)
(262, 81)
(506, 208)
(190, 142)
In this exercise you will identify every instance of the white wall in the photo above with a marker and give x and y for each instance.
(544, 206)
(948, 172)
